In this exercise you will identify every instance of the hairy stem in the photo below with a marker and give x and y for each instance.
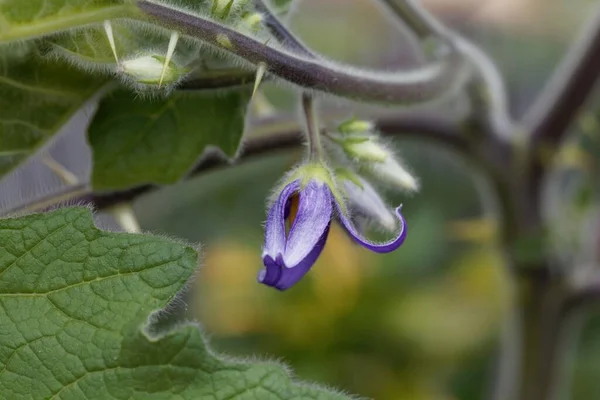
(492, 98)
(280, 32)
(313, 133)
(408, 87)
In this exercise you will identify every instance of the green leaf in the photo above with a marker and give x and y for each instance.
(73, 301)
(28, 19)
(90, 49)
(136, 141)
(37, 97)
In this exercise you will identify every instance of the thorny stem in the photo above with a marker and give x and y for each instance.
(280, 32)
(408, 87)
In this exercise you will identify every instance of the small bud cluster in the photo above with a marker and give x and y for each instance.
(143, 57)
(360, 156)
(239, 14)
(356, 143)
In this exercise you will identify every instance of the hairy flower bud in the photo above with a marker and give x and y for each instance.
(222, 8)
(253, 21)
(364, 201)
(366, 149)
(149, 69)
(393, 172)
(355, 126)
(371, 155)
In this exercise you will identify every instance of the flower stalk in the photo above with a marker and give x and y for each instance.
(313, 133)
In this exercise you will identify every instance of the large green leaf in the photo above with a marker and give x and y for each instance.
(73, 301)
(136, 141)
(27, 19)
(89, 48)
(36, 98)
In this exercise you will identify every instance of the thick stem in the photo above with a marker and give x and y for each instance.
(540, 326)
(551, 115)
(281, 33)
(491, 99)
(549, 330)
(408, 87)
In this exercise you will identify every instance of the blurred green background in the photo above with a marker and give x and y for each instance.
(423, 322)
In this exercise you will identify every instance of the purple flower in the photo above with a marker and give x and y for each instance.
(308, 209)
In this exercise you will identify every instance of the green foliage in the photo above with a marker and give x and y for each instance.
(137, 141)
(36, 98)
(90, 49)
(73, 301)
(44, 82)
(20, 20)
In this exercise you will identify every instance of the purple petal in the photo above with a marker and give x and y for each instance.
(271, 274)
(275, 227)
(384, 247)
(311, 223)
(277, 275)
(365, 201)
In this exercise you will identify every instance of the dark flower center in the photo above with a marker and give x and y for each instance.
(291, 210)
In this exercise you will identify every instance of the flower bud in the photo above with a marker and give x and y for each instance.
(222, 8)
(371, 155)
(366, 149)
(148, 69)
(364, 201)
(355, 126)
(391, 171)
(253, 21)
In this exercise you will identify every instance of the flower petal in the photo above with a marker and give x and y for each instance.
(271, 274)
(366, 201)
(384, 247)
(275, 227)
(277, 275)
(311, 223)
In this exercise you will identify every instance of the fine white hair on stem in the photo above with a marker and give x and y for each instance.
(405, 87)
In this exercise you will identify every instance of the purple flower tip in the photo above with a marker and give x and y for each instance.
(288, 254)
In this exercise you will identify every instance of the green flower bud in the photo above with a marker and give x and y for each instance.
(148, 70)
(253, 21)
(222, 8)
(370, 155)
(355, 126)
(366, 150)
